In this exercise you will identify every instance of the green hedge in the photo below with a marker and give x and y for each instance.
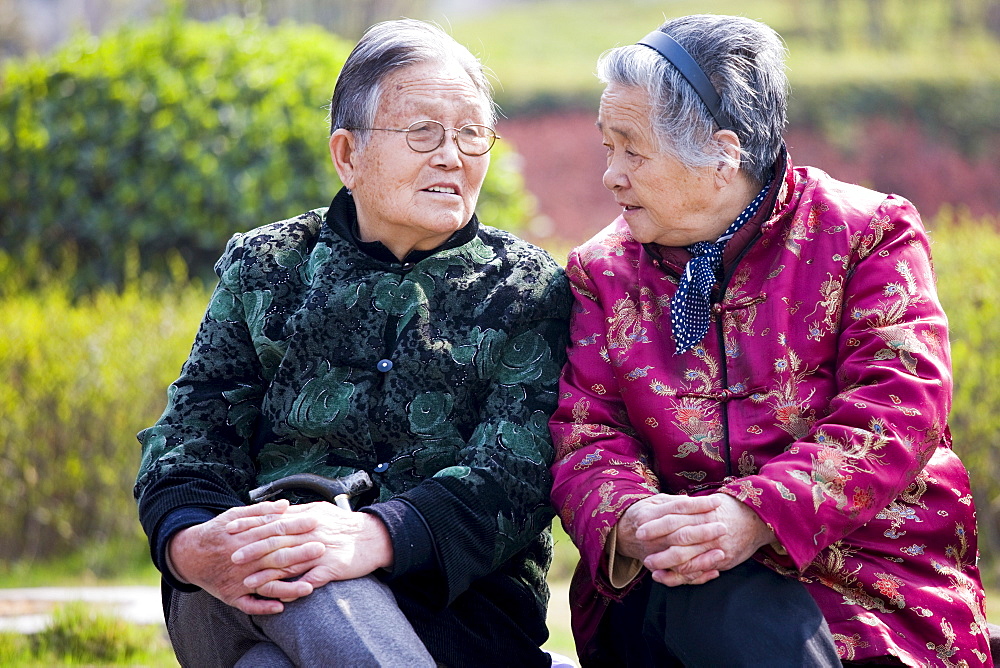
(173, 136)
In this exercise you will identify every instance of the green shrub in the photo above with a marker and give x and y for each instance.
(173, 136)
(82, 635)
(967, 263)
(80, 379)
(79, 633)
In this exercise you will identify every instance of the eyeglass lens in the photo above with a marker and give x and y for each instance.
(424, 136)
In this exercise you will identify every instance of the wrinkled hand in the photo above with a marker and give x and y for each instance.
(659, 523)
(353, 545)
(688, 540)
(202, 555)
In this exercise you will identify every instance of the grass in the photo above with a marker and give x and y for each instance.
(81, 636)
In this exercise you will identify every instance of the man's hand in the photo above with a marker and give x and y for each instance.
(689, 539)
(202, 555)
(354, 545)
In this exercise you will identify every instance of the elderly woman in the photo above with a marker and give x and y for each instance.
(757, 389)
(390, 334)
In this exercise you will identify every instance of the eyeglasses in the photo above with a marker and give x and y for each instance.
(426, 136)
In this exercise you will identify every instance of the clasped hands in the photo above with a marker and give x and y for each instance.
(690, 539)
(245, 556)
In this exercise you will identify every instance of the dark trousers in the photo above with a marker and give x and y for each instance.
(748, 616)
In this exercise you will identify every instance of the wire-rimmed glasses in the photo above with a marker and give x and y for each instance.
(426, 136)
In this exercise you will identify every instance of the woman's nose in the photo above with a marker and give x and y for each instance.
(614, 178)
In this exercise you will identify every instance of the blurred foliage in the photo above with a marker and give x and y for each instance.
(79, 635)
(350, 17)
(967, 262)
(174, 136)
(80, 379)
(937, 60)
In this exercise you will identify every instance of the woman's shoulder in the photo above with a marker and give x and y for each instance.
(611, 246)
(855, 205)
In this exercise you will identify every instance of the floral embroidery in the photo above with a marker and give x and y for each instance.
(847, 646)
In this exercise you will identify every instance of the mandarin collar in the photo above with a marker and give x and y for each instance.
(342, 217)
(677, 256)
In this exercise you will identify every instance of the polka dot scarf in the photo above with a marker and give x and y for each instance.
(689, 309)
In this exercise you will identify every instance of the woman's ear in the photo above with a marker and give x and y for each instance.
(730, 146)
(343, 152)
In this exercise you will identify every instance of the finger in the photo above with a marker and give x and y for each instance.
(682, 503)
(263, 508)
(681, 530)
(324, 506)
(298, 564)
(262, 526)
(674, 579)
(285, 590)
(706, 561)
(253, 605)
(674, 557)
(673, 504)
(279, 551)
(319, 576)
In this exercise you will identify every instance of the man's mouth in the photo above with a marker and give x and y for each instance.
(448, 190)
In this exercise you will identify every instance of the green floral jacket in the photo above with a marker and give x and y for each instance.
(320, 353)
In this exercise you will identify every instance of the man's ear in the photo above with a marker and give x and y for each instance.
(727, 170)
(343, 152)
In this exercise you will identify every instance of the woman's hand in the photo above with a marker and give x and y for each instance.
(202, 555)
(353, 545)
(689, 539)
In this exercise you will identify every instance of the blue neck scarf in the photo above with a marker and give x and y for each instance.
(689, 309)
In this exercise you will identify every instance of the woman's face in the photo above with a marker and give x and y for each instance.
(410, 200)
(664, 201)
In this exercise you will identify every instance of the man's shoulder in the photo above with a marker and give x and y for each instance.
(290, 232)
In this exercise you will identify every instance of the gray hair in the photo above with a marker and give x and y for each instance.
(385, 48)
(745, 61)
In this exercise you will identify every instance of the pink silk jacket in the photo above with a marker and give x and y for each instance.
(819, 397)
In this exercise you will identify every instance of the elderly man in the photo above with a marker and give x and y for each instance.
(752, 447)
(390, 334)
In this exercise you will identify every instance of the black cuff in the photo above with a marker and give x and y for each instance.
(182, 518)
(412, 543)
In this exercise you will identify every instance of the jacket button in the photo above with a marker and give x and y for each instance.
(384, 365)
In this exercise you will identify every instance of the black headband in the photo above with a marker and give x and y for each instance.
(677, 56)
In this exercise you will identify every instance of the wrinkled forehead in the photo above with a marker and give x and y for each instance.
(433, 88)
(625, 112)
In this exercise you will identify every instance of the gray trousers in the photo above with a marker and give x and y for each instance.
(348, 623)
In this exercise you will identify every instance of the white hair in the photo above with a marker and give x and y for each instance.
(745, 61)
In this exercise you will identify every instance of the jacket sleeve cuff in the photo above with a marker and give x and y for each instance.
(412, 545)
(622, 570)
(177, 520)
